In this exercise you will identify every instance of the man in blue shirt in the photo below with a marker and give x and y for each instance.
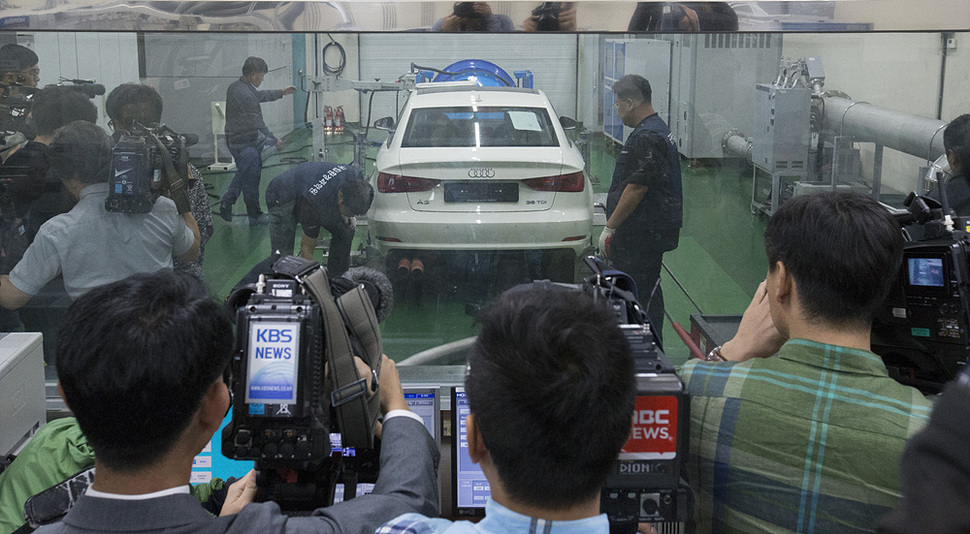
(550, 385)
(317, 195)
(247, 135)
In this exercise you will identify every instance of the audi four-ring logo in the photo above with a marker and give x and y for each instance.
(481, 173)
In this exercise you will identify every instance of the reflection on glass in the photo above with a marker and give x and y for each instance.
(864, 125)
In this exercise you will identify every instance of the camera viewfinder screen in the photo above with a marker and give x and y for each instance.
(274, 357)
(925, 272)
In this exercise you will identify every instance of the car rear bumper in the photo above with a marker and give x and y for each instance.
(549, 229)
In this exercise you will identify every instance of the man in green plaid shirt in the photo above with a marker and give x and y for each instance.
(808, 440)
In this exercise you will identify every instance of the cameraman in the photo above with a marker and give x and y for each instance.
(317, 195)
(473, 17)
(550, 383)
(37, 194)
(89, 245)
(18, 69)
(140, 363)
(812, 436)
(552, 16)
(956, 142)
(18, 66)
(134, 103)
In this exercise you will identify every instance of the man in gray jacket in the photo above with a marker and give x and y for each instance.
(140, 363)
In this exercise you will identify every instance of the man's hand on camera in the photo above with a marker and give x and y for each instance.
(451, 23)
(482, 9)
(350, 222)
(757, 336)
(174, 180)
(240, 493)
(392, 394)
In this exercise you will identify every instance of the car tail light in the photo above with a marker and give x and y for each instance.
(566, 183)
(395, 183)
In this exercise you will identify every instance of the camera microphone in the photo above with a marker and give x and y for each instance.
(378, 288)
(89, 90)
(190, 139)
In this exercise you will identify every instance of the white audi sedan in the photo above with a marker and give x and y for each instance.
(472, 168)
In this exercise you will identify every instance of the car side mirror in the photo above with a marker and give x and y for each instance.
(568, 123)
(385, 124)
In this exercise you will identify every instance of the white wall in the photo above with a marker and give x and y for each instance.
(109, 58)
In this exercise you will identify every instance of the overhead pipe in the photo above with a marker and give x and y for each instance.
(912, 134)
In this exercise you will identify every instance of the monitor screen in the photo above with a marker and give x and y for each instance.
(423, 401)
(470, 488)
(925, 272)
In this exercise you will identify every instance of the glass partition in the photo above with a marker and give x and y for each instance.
(866, 110)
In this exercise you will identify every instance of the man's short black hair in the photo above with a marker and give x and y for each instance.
(15, 57)
(551, 385)
(358, 195)
(81, 150)
(134, 359)
(634, 87)
(956, 137)
(133, 94)
(254, 65)
(843, 250)
(56, 106)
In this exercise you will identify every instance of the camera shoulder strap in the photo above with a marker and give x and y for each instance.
(358, 314)
(350, 396)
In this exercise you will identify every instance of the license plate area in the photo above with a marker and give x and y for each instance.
(456, 192)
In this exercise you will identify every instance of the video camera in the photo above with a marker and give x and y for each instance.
(137, 166)
(296, 386)
(645, 485)
(922, 332)
(465, 10)
(17, 100)
(547, 16)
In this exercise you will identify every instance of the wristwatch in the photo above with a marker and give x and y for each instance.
(715, 355)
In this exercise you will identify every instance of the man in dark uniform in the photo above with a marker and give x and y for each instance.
(956, 142)
(246, 135)
(644, 208)
(317, 195)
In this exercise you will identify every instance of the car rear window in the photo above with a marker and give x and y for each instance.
(479, 127)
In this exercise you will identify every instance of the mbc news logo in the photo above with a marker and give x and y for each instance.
(651, 424)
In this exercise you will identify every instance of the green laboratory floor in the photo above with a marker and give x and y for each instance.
(716, 267)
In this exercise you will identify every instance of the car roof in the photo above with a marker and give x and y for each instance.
(441, 95)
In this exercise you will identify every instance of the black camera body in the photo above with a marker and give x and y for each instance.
(646, 484)
(466, 10)
(136, 181)
(282, 417)
(547, 16)
(14, 109)
(922, 332)
(294, 411)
